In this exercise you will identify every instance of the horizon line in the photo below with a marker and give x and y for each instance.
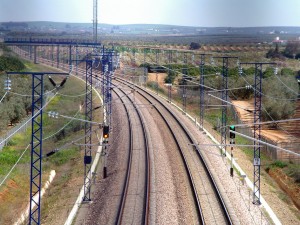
(132, 24)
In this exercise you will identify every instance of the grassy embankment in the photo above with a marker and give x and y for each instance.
(68, 162)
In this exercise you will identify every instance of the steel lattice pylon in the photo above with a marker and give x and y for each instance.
(157, 61)
(36, 143)
(88, 132)
(145, 68)
(184, 81)
(224, 96)
(36, 149)
(202, 63)
(257, 132)
(257, 87)
(170, 59)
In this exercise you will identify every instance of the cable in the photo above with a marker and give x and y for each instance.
(73, 96)
(285, 84)
(8, 137)
(23, 95)
(50, 136)
(3, 96)
(266, 143)
(261, 123)
(268, 96)
(2, 182)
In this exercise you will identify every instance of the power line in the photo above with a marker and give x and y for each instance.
(266, 143)
(2, 182)
(268, 96)
(285, 84)
(3, 96)
(267, 122)
(248, 110)
(12, 134)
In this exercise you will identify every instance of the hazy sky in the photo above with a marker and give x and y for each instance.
(177, 12)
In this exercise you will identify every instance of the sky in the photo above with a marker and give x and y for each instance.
(203, 13)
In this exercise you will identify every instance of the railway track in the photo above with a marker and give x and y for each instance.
(209, 204)
(208, 201)
(134, 203)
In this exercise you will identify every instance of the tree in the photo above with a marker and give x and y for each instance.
(292, 49)
(194, 46)
(274, 53)
(277, 95)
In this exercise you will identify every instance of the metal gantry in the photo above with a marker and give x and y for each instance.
(108, 60)
(184, 81)
(257, 88)
(36, 149)
(202, 64)
(88, 131)
(224, 97)
(157, 63)
(36, 143)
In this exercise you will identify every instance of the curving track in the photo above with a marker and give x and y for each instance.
(208, 201)
(134, 202)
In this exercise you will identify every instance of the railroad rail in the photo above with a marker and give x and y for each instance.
(210, 211)
(133, 166)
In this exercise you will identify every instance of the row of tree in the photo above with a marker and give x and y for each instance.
(292, 50)
(14, 106)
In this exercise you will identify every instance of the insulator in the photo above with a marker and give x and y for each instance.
(63, 82)
(52, 81)
(275, 70)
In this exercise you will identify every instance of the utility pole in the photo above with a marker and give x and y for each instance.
(107, 71)
(184, 81)
(145, 68)
(95, 20)
(36, 142)
(224, 96)
(88, 131)
(257, 88)
(202, 66)
(157, 61)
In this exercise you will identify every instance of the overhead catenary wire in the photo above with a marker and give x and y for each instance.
(267, 111)
(12, 134)
(25, 95)
(268, 96)
(266, 143)
(285, 84)
(267, 122)
(248, 110)
(16, 163)
(3, 96)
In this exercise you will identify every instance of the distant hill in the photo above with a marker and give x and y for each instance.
(150, 29)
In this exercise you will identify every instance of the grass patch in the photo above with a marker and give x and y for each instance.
(65, 162)
(64, 156)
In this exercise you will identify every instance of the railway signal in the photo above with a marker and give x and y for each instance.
(232, 142)
(231, 134)
(105, 131)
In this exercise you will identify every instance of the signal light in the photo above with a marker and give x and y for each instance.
(105, 131)
(231, 135)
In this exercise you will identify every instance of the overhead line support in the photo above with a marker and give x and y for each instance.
(224, 97)
(257, 87)
(36, 143)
